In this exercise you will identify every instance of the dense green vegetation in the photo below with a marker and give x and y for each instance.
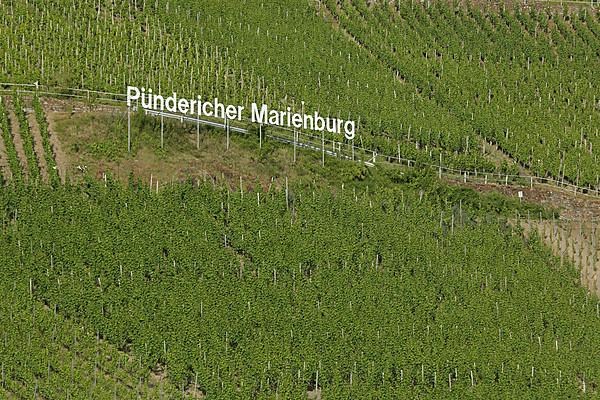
(522, 79)
(43, 355)
(48, 150)
(391, 286)
(390, 294)
(13, 160)
(27, 140)
(424, 79)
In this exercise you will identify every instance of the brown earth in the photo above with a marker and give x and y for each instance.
(568, 237)
(59, 156)
(571, 205)
(16, 135)
(4, 165)
(38, 146)
(227, 165)
(573, 237)
(208, 164)
(314, 394)
(497, 156)
(6, 394)
(74, 106)
(75, 125)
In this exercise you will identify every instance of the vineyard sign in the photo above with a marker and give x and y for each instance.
(260, 114)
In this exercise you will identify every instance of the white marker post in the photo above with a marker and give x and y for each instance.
(294, 145)
(128, 129)
(162, 131)
(133, 93)
(323, 148)
(227, 128)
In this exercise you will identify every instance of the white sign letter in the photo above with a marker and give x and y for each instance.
(259, 116)
(133, 93)
(350, 130)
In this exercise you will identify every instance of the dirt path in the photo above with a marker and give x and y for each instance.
(16, 135)
(4, 165)
(59, 155)
(38, 146)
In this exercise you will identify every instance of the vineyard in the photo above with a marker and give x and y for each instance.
(265, 294)
(531, 87)
(350, 285)
(435, 80)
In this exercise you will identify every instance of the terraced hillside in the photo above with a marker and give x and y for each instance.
(433, 78)
(523, 79)
(266, 294)
(26, 153)
(339, 282)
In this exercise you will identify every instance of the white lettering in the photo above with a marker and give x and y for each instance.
(259, 116)
(274, 117)
(133, 93)
(162, 102)
(350, 130)
(319, 122)
(231, 112)
(171, 102)
(183, 105)
(297, 120)
(219, 109)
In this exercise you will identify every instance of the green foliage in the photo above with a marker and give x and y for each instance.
(27, 139)
(513, 78)
(251, 293)
(507, 169)
(45, 355)
(358, 172)
(525, 81)
(16, 174)
(401, 290)
(487, 203)
(48, 150)
(106, 149)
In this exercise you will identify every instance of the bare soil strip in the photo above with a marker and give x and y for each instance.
(59, 155)
(4, 165)
(16, 135)
(38, 146)
(574, 237)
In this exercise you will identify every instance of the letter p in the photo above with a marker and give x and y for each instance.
(133, 93)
